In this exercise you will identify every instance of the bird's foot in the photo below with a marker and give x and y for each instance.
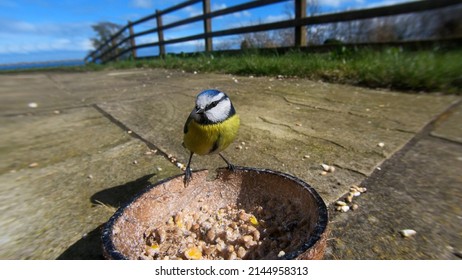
(231, 167)
(187, 175)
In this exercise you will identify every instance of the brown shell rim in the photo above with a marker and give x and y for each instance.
(318, 235)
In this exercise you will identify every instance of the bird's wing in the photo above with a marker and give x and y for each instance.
(185, 129)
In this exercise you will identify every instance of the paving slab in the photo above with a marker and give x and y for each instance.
(450, 126)
(62, 176)
(419, 190)
(52, 91)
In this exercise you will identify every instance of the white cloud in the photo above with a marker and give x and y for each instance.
(192, 11)
(388, 3)
(146, 39)
(48, 44)
(216, 7)
(275, 18)
(242, 14)
(143, 4)
(22, 37)
(337, 3)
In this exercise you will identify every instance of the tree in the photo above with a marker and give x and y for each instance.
(104, 31)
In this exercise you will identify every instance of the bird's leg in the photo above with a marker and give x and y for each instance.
(188, 172)
(230, 166)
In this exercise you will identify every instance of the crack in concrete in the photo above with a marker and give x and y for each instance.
(150, 145)
(59, 85)
(351, 169)
(347, 112)
(301, 133)
(325, 109)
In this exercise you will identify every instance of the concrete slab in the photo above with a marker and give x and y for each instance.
(63, 175)
(52, 91)
(418, 190)
(450, 127)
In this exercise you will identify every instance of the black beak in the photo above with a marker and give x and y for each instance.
(200, 110)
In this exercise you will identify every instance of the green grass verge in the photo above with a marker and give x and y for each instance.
(394, 68)
(416, 71)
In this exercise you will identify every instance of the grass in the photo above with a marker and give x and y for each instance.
(394, 68)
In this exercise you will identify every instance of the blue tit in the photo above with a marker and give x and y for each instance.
(211, 127)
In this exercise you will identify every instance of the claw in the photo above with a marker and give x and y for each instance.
(188, 172)
(187, 175)
(230, 165)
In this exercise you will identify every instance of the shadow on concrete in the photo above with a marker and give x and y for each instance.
(90, 246)
(87, 248)
(119, 195)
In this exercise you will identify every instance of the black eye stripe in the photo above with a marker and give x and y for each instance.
(214, 103)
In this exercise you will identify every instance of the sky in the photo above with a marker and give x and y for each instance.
(51, 30)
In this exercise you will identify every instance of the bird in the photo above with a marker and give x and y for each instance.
(211, 127)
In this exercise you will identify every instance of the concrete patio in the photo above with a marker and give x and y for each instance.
(76, 146)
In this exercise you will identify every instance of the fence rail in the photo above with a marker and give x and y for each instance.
(109, 50)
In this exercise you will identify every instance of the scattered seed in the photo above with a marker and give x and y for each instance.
(354, 207)
(381, 144)
(355, 193)
(32, 105)
(340, 203)
(34, 164)
(407, 232)
(327, 168)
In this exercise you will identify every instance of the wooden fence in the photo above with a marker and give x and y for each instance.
(111, 49)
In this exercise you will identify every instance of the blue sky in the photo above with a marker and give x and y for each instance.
(47, 30)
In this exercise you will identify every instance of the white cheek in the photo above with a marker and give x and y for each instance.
(219, 113)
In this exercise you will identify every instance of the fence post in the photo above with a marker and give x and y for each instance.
(132, 39)
(300, 32)
(207, 25)
(160, 34)
(116, 50)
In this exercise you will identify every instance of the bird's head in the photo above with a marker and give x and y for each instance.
(212, 106)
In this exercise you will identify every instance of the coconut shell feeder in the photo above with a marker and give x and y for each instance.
(278, 215)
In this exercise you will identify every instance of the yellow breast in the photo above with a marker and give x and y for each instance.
(211, 138)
